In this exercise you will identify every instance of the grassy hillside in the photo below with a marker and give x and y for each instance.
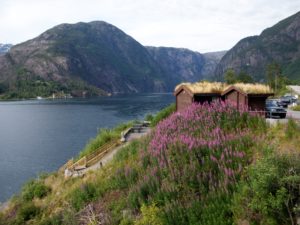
(208, 165)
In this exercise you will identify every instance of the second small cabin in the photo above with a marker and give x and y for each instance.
(252, 96)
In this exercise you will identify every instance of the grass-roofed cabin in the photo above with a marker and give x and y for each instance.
(187, 93)
(251, 95)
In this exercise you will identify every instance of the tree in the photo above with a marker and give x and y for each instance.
(230, 76)
(244, 78)
(274, 77)
(3, 88)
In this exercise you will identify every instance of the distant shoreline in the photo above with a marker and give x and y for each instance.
(50, 98)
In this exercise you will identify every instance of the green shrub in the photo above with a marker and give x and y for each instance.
(41, 190)
(28, 191)
(83, 194)
(27, 212)
(150, 215)
(271, 192)
(34, 188)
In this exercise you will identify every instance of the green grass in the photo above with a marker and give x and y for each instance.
(85, 193)
(161, 115)
(27, 212)
(296, 108)
(104, 136)
(34, 189)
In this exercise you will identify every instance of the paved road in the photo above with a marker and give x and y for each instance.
(143, 132)
(293, 114)
(290, 114)
(295, 88)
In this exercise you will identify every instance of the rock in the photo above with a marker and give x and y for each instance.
(68, 173)
(279, 43)
(184, 65)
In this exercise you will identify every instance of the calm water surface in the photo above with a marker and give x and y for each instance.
(41, 135)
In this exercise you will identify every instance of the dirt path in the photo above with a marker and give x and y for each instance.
(109, 156)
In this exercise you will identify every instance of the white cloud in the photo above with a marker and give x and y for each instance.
(195, 24)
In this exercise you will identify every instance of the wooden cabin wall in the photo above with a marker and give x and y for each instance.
(183, 100)
(233, 97)
(237, 98)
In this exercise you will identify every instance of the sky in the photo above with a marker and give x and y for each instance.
(199, 25)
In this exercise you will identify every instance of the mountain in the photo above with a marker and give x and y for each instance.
(279, 43)
(211, 60)
(77, 56)
(180, 64)
(95, 58)
(4, 48)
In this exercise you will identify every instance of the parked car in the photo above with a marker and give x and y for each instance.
(294, 97)
(288, 99)
(274, 110)
(279, 102)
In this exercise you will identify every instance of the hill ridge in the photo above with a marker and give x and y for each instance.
(92, 58)
(277, 44)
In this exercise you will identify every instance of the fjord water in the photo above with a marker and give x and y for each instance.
(41, 135)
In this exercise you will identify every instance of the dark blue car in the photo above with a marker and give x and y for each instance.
(288, 99)
(274, 110)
